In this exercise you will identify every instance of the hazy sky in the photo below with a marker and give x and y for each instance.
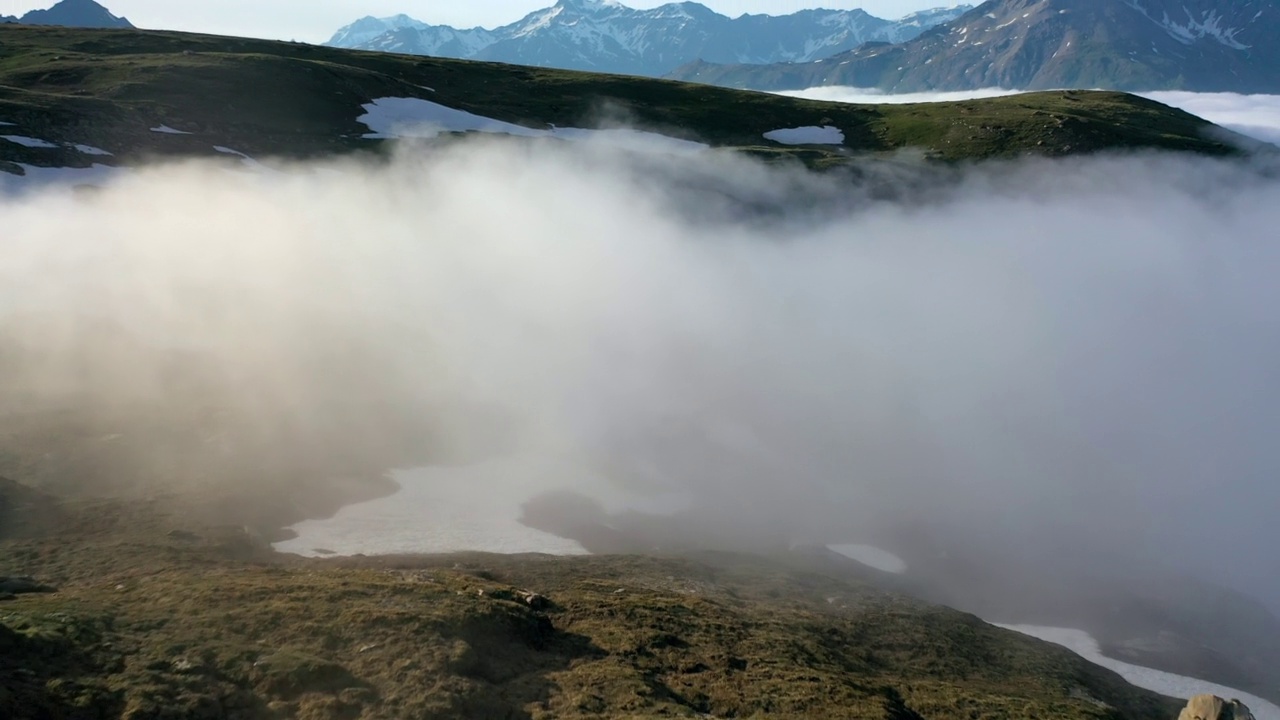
(315, 22)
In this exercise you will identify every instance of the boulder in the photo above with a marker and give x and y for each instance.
(21, 585)
(1212, 707)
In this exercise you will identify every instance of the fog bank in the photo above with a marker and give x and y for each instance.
(1053, 359)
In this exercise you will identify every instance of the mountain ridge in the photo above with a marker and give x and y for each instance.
(1139, 45)
(72, 13)
(607, 36)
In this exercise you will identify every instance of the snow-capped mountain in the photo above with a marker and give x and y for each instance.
(1203, 45)
(367, 28)
(73, 13)
(607, 36)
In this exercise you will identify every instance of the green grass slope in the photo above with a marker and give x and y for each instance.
(108, 87)
(158, 616)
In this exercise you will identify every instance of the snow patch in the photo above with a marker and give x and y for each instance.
(1208, 26)
(394, 118)
(29, 141)
(1178, 686)
(811, 135)
(437, 510)
(90, 150)
(245, 159)
(465, 508)
(165, 129)
(871, 556)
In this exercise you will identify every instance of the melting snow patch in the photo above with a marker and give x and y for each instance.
(29, 142)
(1178, 686)
(437, 510)
(243, 158)
(165, 129)
(474, 507)
(393, 118)
(90, 150)
(415, 118)
(871, 556)
(826, 135)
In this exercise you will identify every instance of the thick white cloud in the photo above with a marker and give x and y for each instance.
(1257, 116)
(1053, 357)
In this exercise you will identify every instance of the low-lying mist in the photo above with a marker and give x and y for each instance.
(1058, 358)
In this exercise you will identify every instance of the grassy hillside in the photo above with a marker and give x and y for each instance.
(158, 615)
(107, 88)
(171, 604)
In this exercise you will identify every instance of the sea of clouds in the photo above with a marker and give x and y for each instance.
(1052, 357)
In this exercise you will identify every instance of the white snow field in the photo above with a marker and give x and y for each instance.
(464, 508)
(437, 510)
(166, 130)
(91, 150)
(811, 135)
(28, 141)
(1178, 686)
(244, 159)
(871, 556)
(398, 117)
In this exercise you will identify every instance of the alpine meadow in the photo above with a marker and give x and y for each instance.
(338, 383)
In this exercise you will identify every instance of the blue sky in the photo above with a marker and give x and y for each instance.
(315, 21)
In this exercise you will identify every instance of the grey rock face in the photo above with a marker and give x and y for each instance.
(1201, 45)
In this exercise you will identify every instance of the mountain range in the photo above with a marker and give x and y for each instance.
(71, 13)
(1198, 45)
(607, 36)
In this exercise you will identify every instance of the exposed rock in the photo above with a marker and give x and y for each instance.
(22, 585)
(289, 674)
(534, 601)
(1212, 707)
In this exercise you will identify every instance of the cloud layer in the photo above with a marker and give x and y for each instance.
(1068, 358)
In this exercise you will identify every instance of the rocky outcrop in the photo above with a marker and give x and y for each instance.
(11, 586)
(1212, 707)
